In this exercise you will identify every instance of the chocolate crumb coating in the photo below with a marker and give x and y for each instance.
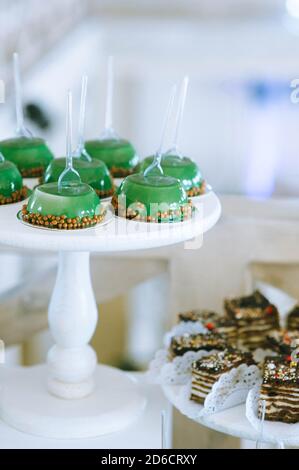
(255, 317)
(208, 370)
(206, 342)
(293, 319)
(213, 321)
(280, 390)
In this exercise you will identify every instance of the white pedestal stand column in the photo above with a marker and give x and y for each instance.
(72, 319)
(83, 400)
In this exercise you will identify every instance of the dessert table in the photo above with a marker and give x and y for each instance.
(72, 396)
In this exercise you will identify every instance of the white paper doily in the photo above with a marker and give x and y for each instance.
(230, 390)
(270, 431)
(175, 372)
(164, 371)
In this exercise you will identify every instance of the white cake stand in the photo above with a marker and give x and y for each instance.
(232, 421)
(72, 396)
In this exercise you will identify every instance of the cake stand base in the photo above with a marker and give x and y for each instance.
(26, 405)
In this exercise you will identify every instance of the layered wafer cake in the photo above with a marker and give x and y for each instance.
(283, 341)
(280, 390)
(224, 326)
(202, 342)
(255, 317)
(293, 319)
(208, 370)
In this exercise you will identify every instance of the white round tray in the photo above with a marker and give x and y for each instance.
(232, 421)
(119, 235)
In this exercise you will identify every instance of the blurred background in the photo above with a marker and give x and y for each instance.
(241, 126)
(241, 58)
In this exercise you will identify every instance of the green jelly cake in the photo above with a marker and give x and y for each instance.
(95, 173)
(152, 198)
(184, 169)
(11, 184)
(73, 207)
(31, 155)
(118, 154)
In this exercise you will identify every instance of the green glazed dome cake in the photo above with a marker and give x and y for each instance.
(119, 155)
(95, 173)
(184, 169)
(152, 199)
(72, 207)
(11, 184)
(31, 155)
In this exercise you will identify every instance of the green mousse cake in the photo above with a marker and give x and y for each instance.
(152, 199)
(11, 184)
(184, 169)
(31, 155)
(119, 155)
(94, 173)
(73, 207)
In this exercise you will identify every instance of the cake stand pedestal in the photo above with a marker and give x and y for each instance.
(72, 396)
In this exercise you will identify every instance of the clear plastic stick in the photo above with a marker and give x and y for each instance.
(261, 436)
(21, 129)
(69, 177)
(110, 95)
(69, 129)
(158, 157)
(180, 116)
(164, 431)
(81, 152)
(2, 159)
